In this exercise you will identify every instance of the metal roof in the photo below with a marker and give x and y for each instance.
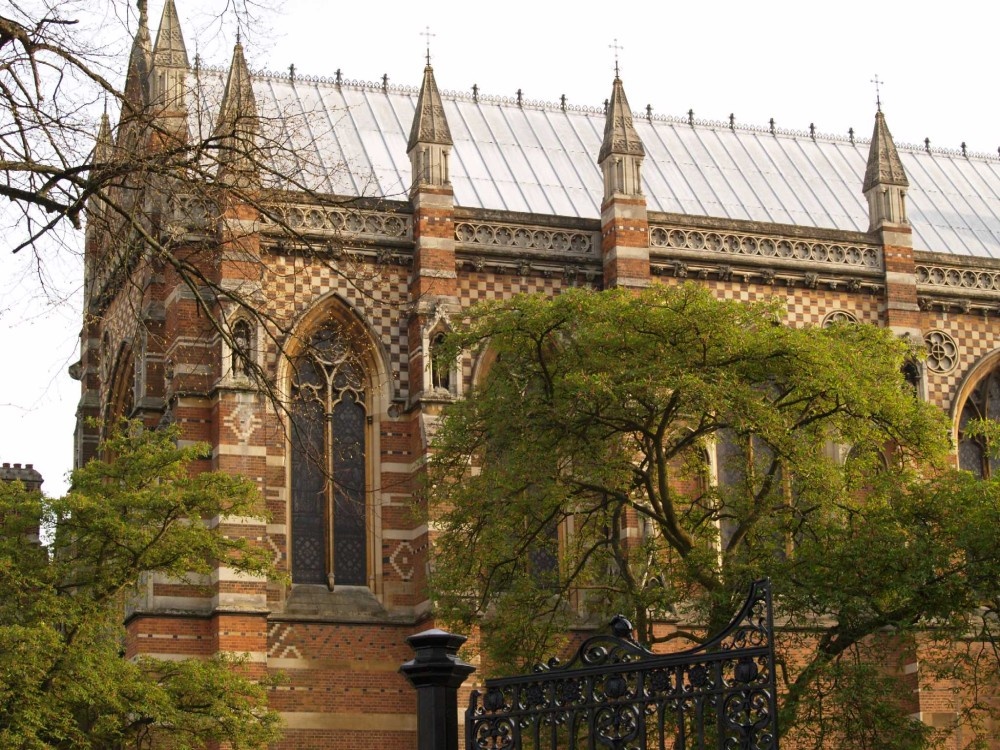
(350, 138)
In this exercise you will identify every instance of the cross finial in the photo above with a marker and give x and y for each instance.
(426, 33)
(878, 92)
(291, 72)
(617, 48)
(238, 35)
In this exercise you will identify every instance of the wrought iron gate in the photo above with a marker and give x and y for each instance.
(617, 694)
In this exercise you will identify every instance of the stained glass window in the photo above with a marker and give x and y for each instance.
(328, 420)
(982, 403)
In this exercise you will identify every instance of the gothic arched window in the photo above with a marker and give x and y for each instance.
(983, 403)
(329, 539)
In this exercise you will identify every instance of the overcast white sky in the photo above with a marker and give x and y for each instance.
(798, 62)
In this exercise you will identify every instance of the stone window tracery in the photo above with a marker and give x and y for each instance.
(942, 351)
(329, 451)
(983, 403)
(839, 316)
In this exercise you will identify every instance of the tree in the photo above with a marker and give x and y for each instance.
(590, 440)
(191, 157)
(63, 680)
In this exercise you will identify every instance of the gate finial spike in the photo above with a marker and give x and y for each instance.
(621, 627)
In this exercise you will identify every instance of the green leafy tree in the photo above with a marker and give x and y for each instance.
(598, 418)
(64, 681)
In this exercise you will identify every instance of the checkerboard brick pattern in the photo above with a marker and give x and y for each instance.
(804, 306)
(378, 293)
(975, 335)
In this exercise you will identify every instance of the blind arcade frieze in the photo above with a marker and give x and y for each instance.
(521, 238)
(961, 281)
(845, 257)
(327, 221)
(193, 213)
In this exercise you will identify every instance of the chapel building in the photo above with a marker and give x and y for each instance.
(330, 232)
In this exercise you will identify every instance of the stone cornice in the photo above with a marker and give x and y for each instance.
(742, 226)
(527, 240)
(950, 286)
(345, 224)
(760, 250)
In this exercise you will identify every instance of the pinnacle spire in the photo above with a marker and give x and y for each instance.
(239, 106)
(104, 146)
(238, 122)
(429, 122)
(169, 50)
(884, 166)
(619, 132)
(139, 62)
(168, 71)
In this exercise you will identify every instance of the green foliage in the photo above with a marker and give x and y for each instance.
(872, 713)
(599, 414)
(63, 680)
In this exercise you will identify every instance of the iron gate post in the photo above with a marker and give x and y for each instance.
(437, 673)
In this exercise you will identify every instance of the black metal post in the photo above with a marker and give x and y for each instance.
(437, 673)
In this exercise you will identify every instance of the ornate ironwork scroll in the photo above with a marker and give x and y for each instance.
(616, 694)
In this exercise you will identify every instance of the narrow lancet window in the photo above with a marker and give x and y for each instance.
(329, 508)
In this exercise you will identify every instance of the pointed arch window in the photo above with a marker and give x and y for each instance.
(329, 543)
(974, 453)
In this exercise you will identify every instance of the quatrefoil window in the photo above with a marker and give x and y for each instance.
(942, 351)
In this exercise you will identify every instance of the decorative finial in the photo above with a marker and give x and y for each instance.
(691, 117)
(520, 98)
(238, 34)
(621, 628)
(878, 92)
(927, 144)
(339, 77)
(732, 121)
(385, 81)
(617, 48)
(106, 97)
(291, 72)
(141, 4)
(562, 102)
(850, 134)
(475, 92)
(812, 130)
(607, 102)
(773, 129)
(426, 33)
(964, 153)
(649, 111)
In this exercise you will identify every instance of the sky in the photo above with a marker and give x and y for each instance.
(799, 63)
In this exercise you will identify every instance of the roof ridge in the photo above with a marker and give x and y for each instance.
(558, 106)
